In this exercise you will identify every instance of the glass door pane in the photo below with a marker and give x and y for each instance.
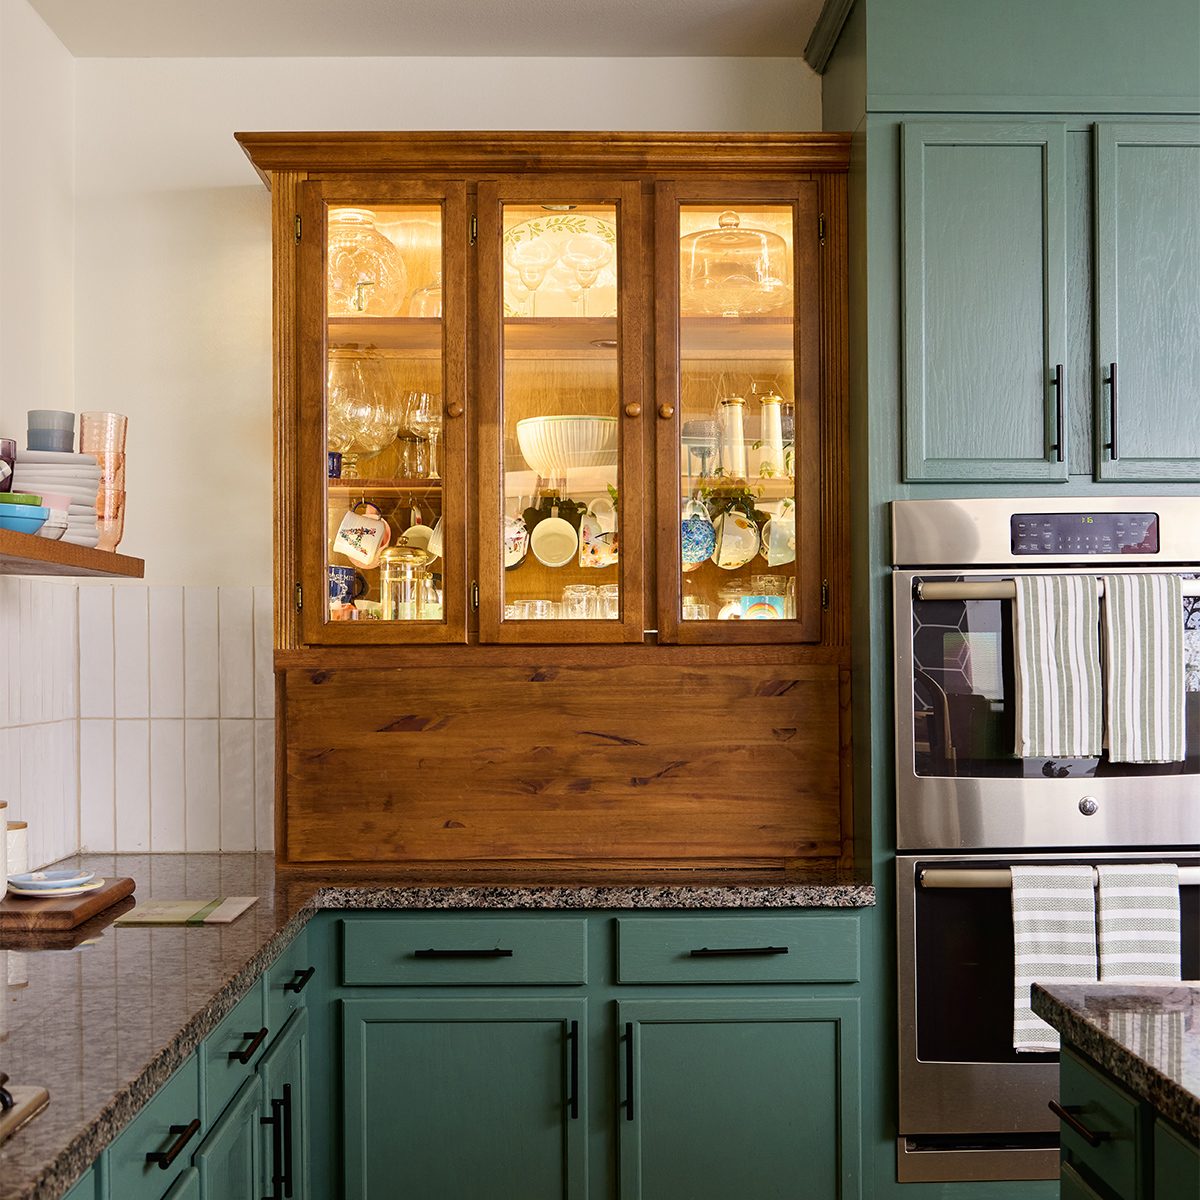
(384, 413)
(565, 521)
(746, 422)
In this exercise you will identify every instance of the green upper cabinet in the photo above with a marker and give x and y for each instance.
(984, 271)
(1147, 302)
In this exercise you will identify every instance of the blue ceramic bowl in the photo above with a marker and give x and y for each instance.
(23, 518)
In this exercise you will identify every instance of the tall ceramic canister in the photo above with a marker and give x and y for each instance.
(732, 416)
(18, 847)
(772, 433)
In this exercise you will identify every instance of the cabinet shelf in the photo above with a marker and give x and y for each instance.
(382, 487)
(28, 554)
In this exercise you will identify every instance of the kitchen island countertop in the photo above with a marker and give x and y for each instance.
(103, 1021)
(1147, 1037)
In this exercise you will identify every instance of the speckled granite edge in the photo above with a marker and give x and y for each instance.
(84, 1148)
(1168, 1096)
(676, 896)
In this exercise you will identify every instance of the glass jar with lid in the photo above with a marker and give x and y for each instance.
(366, 272)
(404, 591)
(734, 270)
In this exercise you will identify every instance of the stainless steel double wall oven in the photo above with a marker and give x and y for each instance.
(967, 807)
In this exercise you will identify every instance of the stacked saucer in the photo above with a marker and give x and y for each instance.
(47, 885)
(76, 476)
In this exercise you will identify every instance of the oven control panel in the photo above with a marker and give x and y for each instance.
(1083, 533)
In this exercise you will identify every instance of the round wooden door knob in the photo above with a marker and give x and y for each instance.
(666, 411)
(454, 410)
(633, 409)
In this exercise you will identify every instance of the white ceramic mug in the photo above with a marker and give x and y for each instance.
(605, 512)
(362, 537)
(597, 546)
(554, 542)
(737, 540)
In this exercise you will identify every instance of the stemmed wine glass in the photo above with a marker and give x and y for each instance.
(531, 260)
(587, 255)
(425, 418)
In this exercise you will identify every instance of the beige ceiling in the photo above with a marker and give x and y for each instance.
(399, 28)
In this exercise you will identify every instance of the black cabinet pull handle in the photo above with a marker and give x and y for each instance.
(286, 1104)
(1068, 1115)
(183, 1135)
(256, 1040)
(743, 951)
(299, 980)
(495, 952)
(573, 1098)
(1059, 405)
(1111, 446)
(275, 1120)
(629, 1070)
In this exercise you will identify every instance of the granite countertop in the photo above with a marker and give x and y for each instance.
(1146, 1036)
(104, 1019)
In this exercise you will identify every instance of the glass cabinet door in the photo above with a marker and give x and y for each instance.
(738, 343)
(560, 369)
(383, 540)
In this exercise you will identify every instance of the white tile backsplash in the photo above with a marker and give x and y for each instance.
(136, 718)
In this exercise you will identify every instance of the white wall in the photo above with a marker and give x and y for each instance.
(37, 232)
(172, 319)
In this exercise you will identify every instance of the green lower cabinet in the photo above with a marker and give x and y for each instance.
(471, 1099)
(1071, 1187)
(1176, 1164)
(186, 1187)
(85, 1188)
(285, 1124)
(228, 1159)
(739, 1097)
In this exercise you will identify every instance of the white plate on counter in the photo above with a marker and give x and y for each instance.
(56, 893)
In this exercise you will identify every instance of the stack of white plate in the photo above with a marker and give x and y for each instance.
(45, 885)
(74, 475)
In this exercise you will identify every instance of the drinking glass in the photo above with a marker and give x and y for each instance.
(587, 255)
(531, 260)
(425, 418)
(579, 601)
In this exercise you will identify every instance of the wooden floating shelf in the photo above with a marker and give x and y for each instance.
(28, 554)
(699, 337)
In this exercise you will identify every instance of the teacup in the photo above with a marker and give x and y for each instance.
(597, 546)
(605, 512)
(554, 542)
(736, 541)
(779, 539)
(362, 537)
(697, 537)
(516, 542)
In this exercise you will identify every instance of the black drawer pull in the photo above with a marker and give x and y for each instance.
(287, 1141)
(628, 1102)
(742, 951)
(573, 1098)
(256, 1040)
(1111, 446)
(1059, 404)
(275, 1120)
(299, 980)
(183, 1135)
(1068, 1115)
(495, 952)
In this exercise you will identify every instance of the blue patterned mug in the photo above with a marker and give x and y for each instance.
(697, 537)
(345, 586)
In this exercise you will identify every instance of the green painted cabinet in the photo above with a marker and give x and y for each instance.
(228, 1160)
(1176, 1164)
(479, 1099)
(285, 1125)
(85, 1188)
(186, 1187)
(991, 327)
(739, 1097)
(1147, 302)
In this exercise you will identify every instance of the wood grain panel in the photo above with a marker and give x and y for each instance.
(527, 763)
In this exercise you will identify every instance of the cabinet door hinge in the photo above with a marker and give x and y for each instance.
(475, 594)
(824, 593)
(299, 225)
(474, 229)
(821, 229)
(299, 597)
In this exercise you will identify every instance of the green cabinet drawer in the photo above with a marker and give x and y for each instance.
(801, 949)
(1176, 1164)
(187, 1186)
(229, 1053)
(168, 1127)
(289, 981)
(85, 1189)
(1107, 1111)
(469, 950)
(1071, 1187)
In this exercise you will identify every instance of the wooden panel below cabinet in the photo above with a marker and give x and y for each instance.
(649, 762)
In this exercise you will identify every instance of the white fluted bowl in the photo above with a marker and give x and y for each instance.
(552, 444)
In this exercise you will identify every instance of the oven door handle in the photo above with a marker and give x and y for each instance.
(999, 589)
(1001, 877)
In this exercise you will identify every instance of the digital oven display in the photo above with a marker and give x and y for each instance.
(1081, 533)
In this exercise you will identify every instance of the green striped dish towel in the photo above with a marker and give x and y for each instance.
(1056, 623)
(1143, 646)
(1137, 922)
(1054, 941)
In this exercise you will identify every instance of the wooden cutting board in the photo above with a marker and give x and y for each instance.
(61, 912)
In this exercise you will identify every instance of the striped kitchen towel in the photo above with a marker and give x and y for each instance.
(1143, 647)
(1056, 622)
(1054, 941)
(1153, 1033)
(1137, 922)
